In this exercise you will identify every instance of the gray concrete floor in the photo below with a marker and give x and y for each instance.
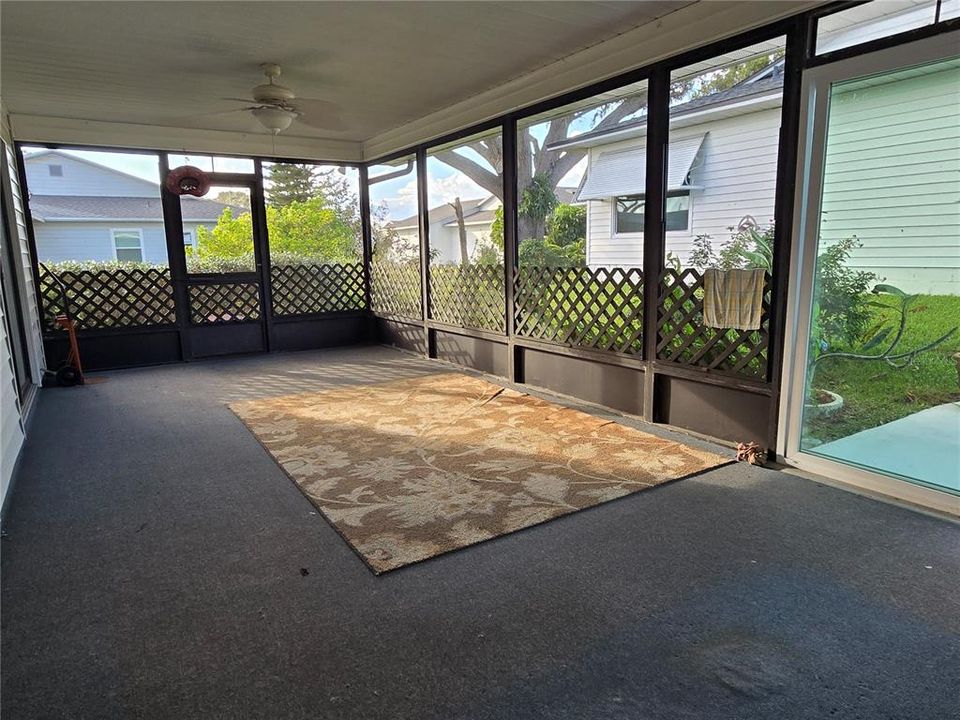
(152, 569)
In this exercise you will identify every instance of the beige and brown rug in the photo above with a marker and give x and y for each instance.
(411, 469)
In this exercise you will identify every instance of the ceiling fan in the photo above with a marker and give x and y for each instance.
(277, 106)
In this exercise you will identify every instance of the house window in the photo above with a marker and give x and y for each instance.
(128, 245)
(629, 213)
(55, 170)
(188, 240)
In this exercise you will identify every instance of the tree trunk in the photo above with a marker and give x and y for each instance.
(529, 228)
(458, 209)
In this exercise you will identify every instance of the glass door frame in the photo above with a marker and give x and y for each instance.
(815, 106)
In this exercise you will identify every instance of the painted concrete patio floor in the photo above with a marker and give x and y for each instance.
(924, 446)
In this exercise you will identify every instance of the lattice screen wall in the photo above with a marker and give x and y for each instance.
(601, 308)
(683, 338)
(307, 289)
(469, 296)
(109, 298)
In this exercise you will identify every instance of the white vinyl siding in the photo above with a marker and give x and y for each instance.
(734, 175)
(11, 427)
(892, 178)
(21, 243)
(21, 278)
(82, 178)
(79, 241)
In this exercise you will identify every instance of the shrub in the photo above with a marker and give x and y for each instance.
(841, 309)
(543, 253)
(748, 247)
(567, 225)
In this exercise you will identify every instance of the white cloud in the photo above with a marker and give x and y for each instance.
(403, 202)
(445, 189)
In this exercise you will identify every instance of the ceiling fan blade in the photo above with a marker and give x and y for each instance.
(320, 114)
(243, 100)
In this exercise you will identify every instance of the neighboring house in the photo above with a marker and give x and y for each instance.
(901, 199)
(86, 211)
(478, 216)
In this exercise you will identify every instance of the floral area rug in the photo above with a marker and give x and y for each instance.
(411, 469)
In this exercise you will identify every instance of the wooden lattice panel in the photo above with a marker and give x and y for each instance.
(683, 338)
(600, 308)
(395, 288)
(468, 296)
(109, 298)
(224, 303)
(308, 289)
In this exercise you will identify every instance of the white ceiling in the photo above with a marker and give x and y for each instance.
(384, 63)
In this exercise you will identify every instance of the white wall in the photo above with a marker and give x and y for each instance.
(21, 243)
(737, 170)
(82, 178)
(62, 241)
(11, 423)
(445, 241)
(892, 178)
(12, 414)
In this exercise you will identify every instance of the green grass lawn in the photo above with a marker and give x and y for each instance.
(875, 393)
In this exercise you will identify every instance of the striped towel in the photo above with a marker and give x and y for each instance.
(733, 298)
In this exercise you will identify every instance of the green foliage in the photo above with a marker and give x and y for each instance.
(290, 182)
(748, 247)
(537, 200)
(726, 78)
(237, 198)
(841, 309)
(544, 253)
(316, 228)
(896, 326)
(487, 254)
(882, 393)
(387, 242)
(567, 225)
(563, 243)
(496, 228)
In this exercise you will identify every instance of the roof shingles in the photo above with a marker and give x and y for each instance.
(81, 207)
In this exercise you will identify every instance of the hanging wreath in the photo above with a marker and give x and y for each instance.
(187, 180)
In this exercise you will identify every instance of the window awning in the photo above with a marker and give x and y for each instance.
(624, 172)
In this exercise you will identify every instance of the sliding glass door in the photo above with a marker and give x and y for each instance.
(874, 390)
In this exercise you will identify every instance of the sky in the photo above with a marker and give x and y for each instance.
(398, 195)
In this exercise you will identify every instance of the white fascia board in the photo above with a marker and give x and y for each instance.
(42, 129)
(690, 27)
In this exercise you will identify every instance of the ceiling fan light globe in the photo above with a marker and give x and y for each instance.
(275, 120)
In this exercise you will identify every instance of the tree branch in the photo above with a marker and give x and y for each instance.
(487, 179)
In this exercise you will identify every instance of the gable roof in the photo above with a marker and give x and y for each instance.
(473, 211)
(751, 90)
(29, 158)
(83, 208)
(442, 213)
